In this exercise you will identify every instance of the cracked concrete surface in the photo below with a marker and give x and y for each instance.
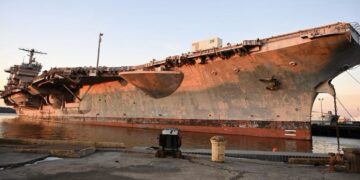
(130, 165)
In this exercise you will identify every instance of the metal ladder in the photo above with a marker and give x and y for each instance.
(355, 26)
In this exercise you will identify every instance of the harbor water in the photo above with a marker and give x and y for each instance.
(13, 127)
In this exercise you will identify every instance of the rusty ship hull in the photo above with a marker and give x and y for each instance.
(264, 87)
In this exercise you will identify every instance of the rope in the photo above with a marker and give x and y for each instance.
(337, 124)
(336, 115)
(353, 77)
(345, 109)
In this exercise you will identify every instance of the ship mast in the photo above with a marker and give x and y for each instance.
(98, 54)
(31, 54)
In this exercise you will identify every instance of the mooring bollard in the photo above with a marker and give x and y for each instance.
(217, 148)
(352, 156)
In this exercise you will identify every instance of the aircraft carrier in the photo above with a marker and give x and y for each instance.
(261, 87)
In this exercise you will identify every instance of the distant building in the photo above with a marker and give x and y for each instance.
(323, 119)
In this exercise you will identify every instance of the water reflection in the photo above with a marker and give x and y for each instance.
(201, 140)
(11, 127)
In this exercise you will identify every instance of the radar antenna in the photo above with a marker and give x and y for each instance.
(31, 54)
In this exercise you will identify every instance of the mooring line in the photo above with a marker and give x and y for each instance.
(347, 111)
(353, 77)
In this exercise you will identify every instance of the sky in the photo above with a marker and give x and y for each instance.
(137, 31)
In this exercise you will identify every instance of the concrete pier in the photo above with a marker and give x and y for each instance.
(133, 164)
(11, 159)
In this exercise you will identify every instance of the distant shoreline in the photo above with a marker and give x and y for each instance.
(7, 110)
